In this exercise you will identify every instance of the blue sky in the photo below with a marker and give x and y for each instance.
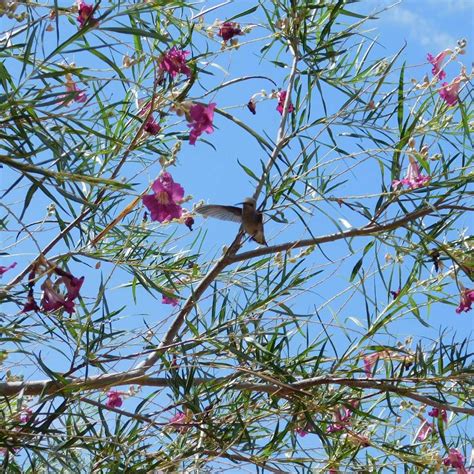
(214, 176)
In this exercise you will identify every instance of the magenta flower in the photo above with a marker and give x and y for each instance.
(281, 103)
(449, 92)
(455, 459)
(424, 431)
(301, 432)
(174, 62)
(5, 269)
(341, 417)
(163, 204)
(152, 127)
(369, 362)
(52, 300)
(414, 178)
(85, 13)
(179, 422)
(435, 414)
(168, 300)
(200, 120)
(73, 284)
(30, 304)
(73, 93)
(228, 30)
(25, 415)
(114, 400)
(467, 298)
(436, 62)
(189, 222)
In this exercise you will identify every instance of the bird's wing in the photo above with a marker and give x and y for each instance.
(224, 213)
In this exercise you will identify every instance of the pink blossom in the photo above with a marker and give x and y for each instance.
(228, 30)
(341, 417)
(25, 415)
(435, 414)
(449, 92)
(455, 459)
(174, 62)
(52, 300)
(85, 13)
(467, 298)
(189, 222)
(163, 204)
(73, 93)
(114, 400)
(168, 300)
(200, 120)
(414, 178)
(369, 362)
(152, 127)
(301, 432)
(424, 431)
(179, 422)
(281, 103)
(5, 269)
(436, 62)
(30, 304)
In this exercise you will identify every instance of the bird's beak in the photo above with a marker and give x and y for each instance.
(239, 203)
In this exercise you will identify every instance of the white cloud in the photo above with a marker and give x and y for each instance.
(418, 28)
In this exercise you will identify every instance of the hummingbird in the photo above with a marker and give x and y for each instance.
(247, 215)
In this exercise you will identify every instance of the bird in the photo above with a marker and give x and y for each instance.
(247, 215)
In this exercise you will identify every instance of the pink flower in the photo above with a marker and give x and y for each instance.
(30, 304)
(449, 92)
(189, 222)
(25, 415)
(281, 103)
(414, 178)
(179, 422)
(152, 127)
(228, 30)
(167, 300)
(73, 284)
(455, 459)
(85, 13)
(73, 94)
(301, 432)
(114, 400)
(424, 431)
(436, 62)
(52, 300)
(435, 414)
(5, 269)
(163, 204)
(467, 297)
(341, 416)
(369, 362)
(174, 62)
(200, 120)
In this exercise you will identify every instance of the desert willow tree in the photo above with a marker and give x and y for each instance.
(130, 343)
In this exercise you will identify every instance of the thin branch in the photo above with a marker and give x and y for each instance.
(369, 229)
